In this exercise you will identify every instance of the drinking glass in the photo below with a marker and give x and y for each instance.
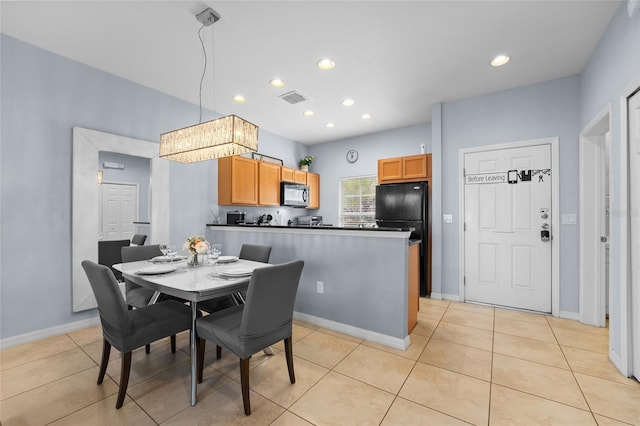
(172, 252)
(214, 251)
(165, 249)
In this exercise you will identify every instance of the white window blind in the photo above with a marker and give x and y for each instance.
(358, 201)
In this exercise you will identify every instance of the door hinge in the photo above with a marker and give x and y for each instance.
(464, 226)
(464, 280)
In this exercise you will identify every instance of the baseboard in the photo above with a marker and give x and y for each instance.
(383, 339)
(570, 315)
(48, 332)
(445, 296)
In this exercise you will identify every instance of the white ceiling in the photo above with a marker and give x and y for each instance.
(394, 58)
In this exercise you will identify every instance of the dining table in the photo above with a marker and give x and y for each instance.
(206, 281)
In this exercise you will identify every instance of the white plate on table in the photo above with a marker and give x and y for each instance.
(156, 270)
(162, 259)
(227, 259)
(236, 273)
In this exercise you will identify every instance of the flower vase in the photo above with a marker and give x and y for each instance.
(304, 167)
(192, 261)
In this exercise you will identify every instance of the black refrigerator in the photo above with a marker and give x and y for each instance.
(404, 205)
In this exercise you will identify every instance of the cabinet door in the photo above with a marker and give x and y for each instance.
(300, 177)
(268, 184)
(389, 169)
(287, 174)
(313, 180)
(244, 181)
(415, 167)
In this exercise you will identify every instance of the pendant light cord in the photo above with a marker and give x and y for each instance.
(204, 68)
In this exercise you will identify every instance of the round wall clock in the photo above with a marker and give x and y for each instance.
(352, 156)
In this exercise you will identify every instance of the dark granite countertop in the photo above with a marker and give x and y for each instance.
(337, 228)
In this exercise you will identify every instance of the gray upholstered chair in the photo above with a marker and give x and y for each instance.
(264, 319)
(255, 252)
(127, 330)
(137, 296)
(109, 254)
(138, 239)
(248, 252)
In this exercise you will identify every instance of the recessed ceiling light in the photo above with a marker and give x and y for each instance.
(276, 82)
(500, 60)
(326, 64)
(309, 113)
(330, 125)
(366, 116)
(239, 98)
(348, 102)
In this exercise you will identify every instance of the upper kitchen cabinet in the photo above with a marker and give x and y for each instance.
(413, 168)
(313, 181)
(237, 181)
(293, 175)
(268, 184)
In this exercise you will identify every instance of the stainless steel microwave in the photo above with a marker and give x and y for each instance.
(294, 195)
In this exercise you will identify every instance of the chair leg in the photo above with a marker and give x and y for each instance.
(124, 378)
(244, 381)
(218, 352)
(106, 350)
(173, 344)
(147, 348)
(200, 346)
(288, 350)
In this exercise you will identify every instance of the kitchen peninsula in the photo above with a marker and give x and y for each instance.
(355, 280)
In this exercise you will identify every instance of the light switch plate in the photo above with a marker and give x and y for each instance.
(447, 218)
(569, 219)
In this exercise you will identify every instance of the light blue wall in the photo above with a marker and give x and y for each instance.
(614, 65)
(532, 112)
(331, 163)
(43, 96)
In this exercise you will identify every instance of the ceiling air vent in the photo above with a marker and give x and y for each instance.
(293, 97)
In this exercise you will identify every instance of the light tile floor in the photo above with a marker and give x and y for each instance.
(467, 364)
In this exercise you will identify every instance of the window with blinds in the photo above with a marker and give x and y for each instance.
(358, 201)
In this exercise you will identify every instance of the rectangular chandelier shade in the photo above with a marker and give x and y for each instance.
(222, 137)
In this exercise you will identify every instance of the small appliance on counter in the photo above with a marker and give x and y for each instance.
(264, 220)
(307, 221)
(236, 217)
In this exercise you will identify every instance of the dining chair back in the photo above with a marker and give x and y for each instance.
(109, 253)
(265, 319)
(138, 239)
(127, 330)
(138, 296)
(257, 253)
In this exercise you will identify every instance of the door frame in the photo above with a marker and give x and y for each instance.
(554, 142)
(592, 291)
(623, 360)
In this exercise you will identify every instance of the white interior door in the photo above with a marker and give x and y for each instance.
(507, 260)
(119, 209)
(634, 190)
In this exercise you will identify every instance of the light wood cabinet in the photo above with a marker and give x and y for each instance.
(268, 184)
(413, 168)
(247, 182)
(237, 181)
(414, 286)
(313, 180)
(287, 174)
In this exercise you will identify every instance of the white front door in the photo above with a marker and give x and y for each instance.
(119, 209)
(634, 189)
(507, 257)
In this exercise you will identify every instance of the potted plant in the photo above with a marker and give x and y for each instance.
(305, 162)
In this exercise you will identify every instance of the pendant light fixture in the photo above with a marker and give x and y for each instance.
(222, 137)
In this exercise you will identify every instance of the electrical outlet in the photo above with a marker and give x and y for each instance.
(320, 287)
(447, 218)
